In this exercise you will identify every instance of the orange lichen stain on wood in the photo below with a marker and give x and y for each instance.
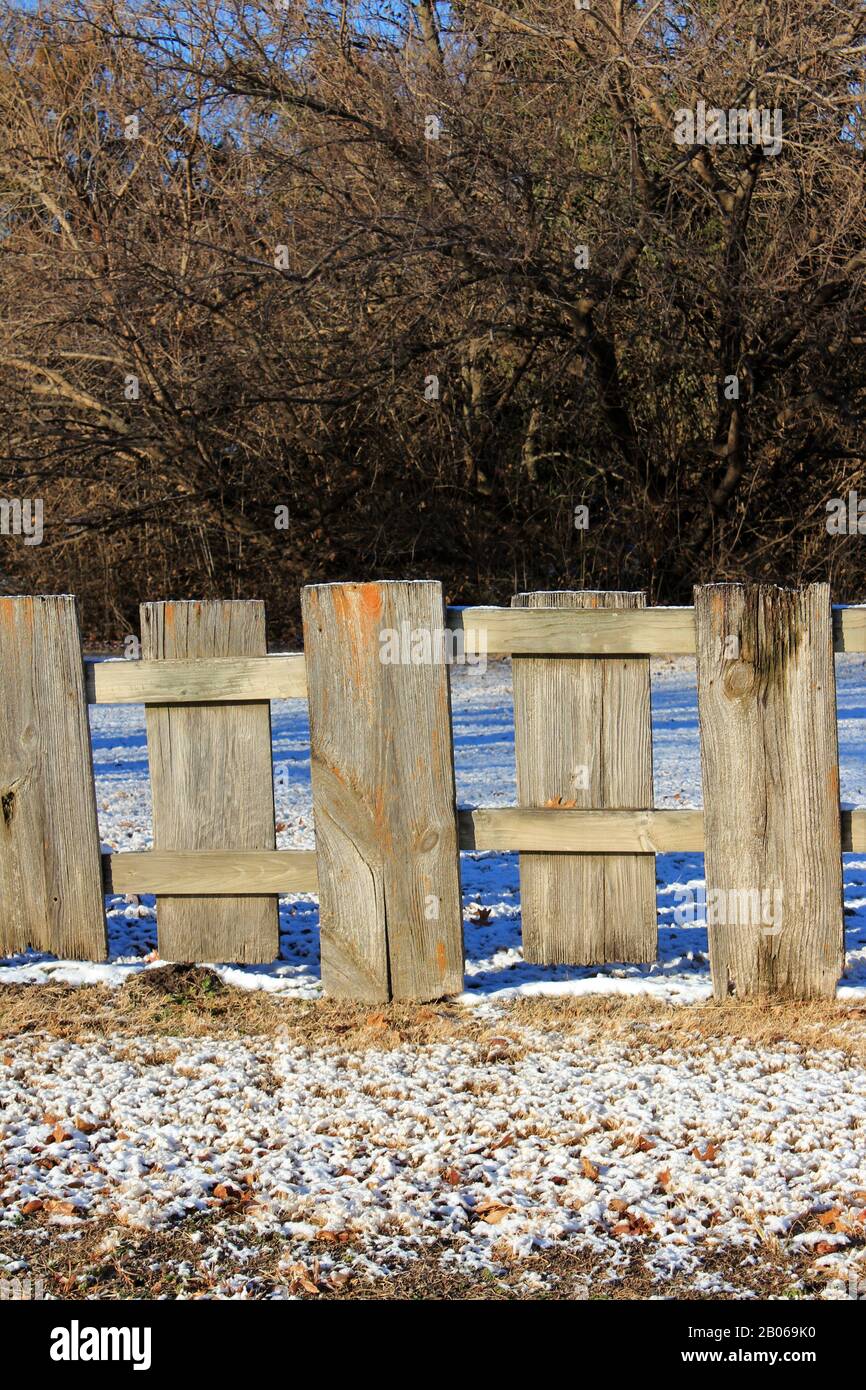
(380, 820)
(368, 613)
(717, 607)
(441, 958)
(330, 766)
(9, 610)
(345, 611)
(371, 601)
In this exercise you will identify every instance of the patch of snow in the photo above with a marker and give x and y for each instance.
(602, 1142)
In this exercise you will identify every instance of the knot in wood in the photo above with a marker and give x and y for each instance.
(738, 679)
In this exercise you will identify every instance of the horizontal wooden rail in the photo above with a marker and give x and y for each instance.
(494, 631)
(508, 829)
(211, 871)
(553, 829)
(222, 679)
(575, 632)
(608, 632)
(581, 832)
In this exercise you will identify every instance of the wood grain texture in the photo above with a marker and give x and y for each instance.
(605, 631)
(212, 780)
(649, 632)
(210, 871)
(383, 796)
(572, 713)
(50, 880)
(215, 680)
(849, 628)
(853, 832)
(770, 771)
(561, 831)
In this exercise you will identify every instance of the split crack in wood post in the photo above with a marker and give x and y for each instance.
(383, 794)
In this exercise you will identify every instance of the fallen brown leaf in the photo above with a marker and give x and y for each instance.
(227, 1192)
(299, 1278)
(708, 1156)
(491, 1211)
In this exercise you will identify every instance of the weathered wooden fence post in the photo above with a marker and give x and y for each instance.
(212, 780)
(383, 791)
(50, 870)
(583, 737)
(770, 771)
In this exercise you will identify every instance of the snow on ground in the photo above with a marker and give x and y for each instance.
(481, 1153)
(484, 760)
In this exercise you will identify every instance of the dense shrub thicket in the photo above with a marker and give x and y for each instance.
(427, 279)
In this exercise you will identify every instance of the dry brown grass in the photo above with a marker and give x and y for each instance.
(193, 1002)
(819, 1024)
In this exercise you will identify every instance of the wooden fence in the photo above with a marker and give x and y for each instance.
(388, 834)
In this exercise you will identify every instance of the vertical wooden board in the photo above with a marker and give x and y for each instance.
(383, 794)
(630, 910)
(212, 781)
(576, 712)
(770, 772)
(50, 868)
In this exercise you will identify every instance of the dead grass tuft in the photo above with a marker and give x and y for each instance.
(178, 982)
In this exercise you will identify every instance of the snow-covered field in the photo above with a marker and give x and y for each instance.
(483, 1151)
(475, 1151)
(484, 757)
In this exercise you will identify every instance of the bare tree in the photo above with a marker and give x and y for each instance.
(430, 277)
